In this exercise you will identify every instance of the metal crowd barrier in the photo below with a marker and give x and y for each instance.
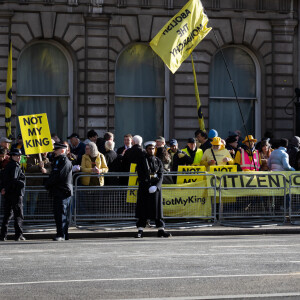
(114, 203)
(252, 204)
(294, 198)
(98, 204)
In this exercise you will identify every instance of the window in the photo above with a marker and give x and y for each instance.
(224, 114)
(43, 85)
(139, 93)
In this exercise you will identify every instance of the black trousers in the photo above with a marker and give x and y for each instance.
(142, 223)
(12, 206)
(61, 210)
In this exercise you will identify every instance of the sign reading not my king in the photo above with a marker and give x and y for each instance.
(36, 134)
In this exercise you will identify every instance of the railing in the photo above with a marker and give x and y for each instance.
(235, 199)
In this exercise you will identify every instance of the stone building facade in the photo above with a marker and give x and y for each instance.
(85, 46)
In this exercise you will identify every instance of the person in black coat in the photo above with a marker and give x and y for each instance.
(61, 188)
(113, 163)
(149, 196)
(13, 190)
(127, 144)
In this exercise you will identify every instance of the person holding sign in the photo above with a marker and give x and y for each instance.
(149, 198)
(216, 156)
(13, 190)
(61, 188)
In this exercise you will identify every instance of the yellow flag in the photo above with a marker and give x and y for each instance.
(177, 39)
(199, 111)
(8, 97)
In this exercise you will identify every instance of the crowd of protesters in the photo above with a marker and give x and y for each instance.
(97, 155)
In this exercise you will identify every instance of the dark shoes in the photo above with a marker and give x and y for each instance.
(20, 238)
(139, 235)
(3, 239)
(162, 233)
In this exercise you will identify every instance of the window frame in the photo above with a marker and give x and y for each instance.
(257, 98)
(165, 98)
(70, 96)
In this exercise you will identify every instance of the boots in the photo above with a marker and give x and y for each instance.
(163, 233)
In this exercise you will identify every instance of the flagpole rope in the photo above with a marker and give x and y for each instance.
(235, 94)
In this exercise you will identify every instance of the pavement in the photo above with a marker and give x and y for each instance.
(183, 229)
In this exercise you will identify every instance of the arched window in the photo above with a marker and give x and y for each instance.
(224, 113)
(139, 93)
(43, 85)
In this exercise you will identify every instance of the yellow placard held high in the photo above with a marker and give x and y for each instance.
(35, 133)
(177, 39)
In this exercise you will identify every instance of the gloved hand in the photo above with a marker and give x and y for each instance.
(76, 168)
(181, 155)
(152, 189)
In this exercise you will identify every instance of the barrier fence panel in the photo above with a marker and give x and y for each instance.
(117, 203)
(252, 199)
(94, 204)
(294, 198)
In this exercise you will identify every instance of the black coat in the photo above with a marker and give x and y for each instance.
(149, 206)
(132, 156)
(13, 180)
(114, 165)
(60, 180)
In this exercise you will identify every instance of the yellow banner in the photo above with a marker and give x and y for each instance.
(177, 39)
(186, 201)
(8, 95)
(191, 170)
(36, 133)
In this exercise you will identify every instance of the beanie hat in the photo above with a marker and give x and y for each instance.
(212, 133)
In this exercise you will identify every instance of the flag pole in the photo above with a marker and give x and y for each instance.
(235, 94)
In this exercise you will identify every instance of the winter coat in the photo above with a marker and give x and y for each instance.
(13, 180)
(219, 155)
(150, 173)
(279, 160)
(59, 182)
(87, 166)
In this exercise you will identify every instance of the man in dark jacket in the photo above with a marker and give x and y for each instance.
(61, 188)
(149, 197)
(292, 150)
(13, 189)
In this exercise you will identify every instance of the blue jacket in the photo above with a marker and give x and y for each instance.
(279, 160)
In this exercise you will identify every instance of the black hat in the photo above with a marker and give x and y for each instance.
(73, 135)
(231, 139)
(191, 140)
(59, 146)
(15, 152)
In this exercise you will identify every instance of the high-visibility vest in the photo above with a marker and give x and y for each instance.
(197, 158)
(246, 162)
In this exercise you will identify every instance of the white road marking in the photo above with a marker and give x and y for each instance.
(148, 278)
(246, 296)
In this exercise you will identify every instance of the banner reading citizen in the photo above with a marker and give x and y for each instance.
(178, 38)
(36, 134)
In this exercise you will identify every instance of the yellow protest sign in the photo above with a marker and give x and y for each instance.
(35, 133)
(132, 181)
(177, 39)
(190, 177)
(226, 168)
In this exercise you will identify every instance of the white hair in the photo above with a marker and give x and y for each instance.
(93, 149)
(138, 140)
(109, 145)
